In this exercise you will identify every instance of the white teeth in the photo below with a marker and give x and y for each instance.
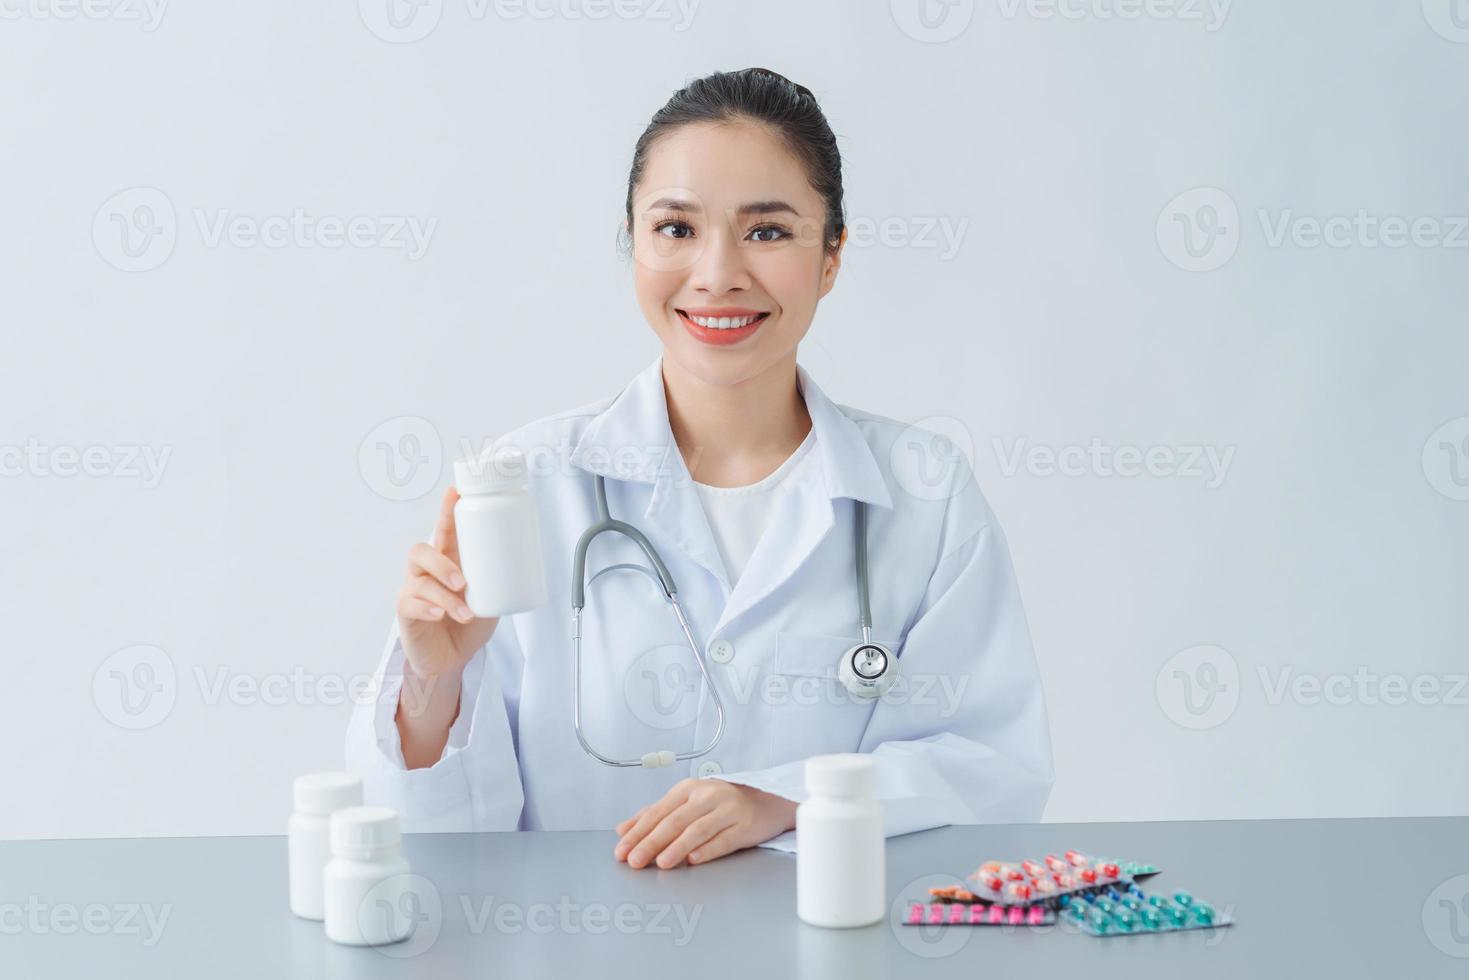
(724, 322)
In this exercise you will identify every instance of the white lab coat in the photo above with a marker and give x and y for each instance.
(962, 738)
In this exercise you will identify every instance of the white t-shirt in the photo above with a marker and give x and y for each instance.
(738, 515)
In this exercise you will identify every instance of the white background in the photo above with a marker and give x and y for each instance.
(1335, 542)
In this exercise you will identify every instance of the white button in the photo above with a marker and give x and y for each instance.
(709, 769)
(721, 651)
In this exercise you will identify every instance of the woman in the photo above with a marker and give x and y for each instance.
(748, 480)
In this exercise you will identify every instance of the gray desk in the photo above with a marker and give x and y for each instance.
(557, 904)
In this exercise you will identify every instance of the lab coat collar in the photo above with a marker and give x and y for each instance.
(632, 439)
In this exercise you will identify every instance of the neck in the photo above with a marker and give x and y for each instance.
(736, 434)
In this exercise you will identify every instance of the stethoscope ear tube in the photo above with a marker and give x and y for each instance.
(605, 522)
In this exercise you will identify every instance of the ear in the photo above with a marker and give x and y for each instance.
(831, 265)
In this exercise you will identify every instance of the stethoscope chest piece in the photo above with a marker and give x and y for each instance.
(868, 670)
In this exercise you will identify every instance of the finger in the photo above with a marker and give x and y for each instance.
(424, 560)
(432, 592)
(666, 832)
(621, 828)
(414, 608)
(650, 817)
(718, 846)
(446, 536)
(701, 831)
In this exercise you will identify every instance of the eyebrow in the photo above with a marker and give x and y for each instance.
(691, 207)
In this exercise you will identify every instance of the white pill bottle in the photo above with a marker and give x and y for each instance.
(841, 861)
(367, 888)
(308, 833)
(499, 538)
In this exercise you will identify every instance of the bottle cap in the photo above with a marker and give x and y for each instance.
(323, 792)
(492, 471)
(842, 774)
(359, 830)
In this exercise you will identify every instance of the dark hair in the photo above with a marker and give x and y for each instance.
(766, 97)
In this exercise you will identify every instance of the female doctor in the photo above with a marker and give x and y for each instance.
(759, 495)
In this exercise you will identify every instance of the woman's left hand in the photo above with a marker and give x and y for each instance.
(700, 820)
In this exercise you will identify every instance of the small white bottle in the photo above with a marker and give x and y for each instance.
(308, 833)
(841, 862)
(366, 884)
(499, 539)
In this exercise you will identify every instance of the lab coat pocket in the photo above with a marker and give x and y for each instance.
(811, 711)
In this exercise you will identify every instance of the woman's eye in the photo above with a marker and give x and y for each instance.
(776, 233)
(660, 228)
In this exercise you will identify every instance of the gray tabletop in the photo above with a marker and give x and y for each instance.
(1349, 898)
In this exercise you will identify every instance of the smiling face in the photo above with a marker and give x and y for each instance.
(727, 247)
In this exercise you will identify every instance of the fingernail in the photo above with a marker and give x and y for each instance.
(464, 613)
(436, 611)
(456, 580)
(694, 856)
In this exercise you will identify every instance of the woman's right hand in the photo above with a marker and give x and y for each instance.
(439, 632)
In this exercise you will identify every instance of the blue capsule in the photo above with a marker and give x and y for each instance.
(1204, 913)
(1131, 903)
(1111, 893)
(1151, 918)
(1106, 904)
(1125, 920)
(1099, 920)
(1183, 898)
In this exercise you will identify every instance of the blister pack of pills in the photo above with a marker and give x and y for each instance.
(1114, 912)
(1043, 882)
(954, 914)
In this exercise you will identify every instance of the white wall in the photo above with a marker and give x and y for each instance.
(1053, 146)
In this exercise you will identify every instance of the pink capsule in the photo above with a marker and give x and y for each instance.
(1066, 881)
(1055, 863)
(1037, 915)
(1032, 869)
(1077, 858)
(1017, 916)
(997, 914)
(915, 914)
(956, 914)
(1045, 887)
(935, 915)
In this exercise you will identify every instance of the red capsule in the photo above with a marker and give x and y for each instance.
(1076, 857)
(1055, 863)
(1111, 870)
(1032, 869)
(991, 882)
(1020, 891)
(1045, 887)
(1089, 876)
(1066, 881)
(1014, 874)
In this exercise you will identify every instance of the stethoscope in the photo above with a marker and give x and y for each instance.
(867, 670)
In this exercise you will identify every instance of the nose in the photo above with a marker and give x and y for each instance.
(720, 267)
